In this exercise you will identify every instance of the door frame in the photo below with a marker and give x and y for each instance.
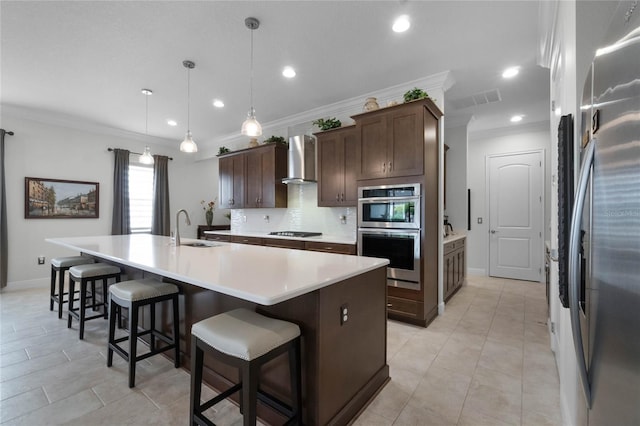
(487, 204)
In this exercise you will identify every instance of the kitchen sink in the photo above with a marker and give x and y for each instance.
(200, 244)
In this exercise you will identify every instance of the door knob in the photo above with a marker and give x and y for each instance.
(493, 231)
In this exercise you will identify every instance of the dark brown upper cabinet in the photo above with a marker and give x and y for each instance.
(252, 178)
(337, 186)
(390, 141)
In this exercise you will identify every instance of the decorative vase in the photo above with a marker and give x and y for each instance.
(253, 142)
(370, 105)
(208, 215)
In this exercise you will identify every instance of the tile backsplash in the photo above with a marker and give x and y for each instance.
(303, 214)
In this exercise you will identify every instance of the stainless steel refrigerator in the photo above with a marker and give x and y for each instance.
(604, 249)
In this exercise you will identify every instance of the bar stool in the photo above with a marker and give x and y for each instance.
(59, 265)
(85, 274)
(246, 340)
(132, 295)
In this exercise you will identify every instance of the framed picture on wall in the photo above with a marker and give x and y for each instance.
(60, 199)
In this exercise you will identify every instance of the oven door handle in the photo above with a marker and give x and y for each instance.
(412, 232)
(387, 199)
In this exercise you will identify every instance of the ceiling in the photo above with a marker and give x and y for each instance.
(88, 60)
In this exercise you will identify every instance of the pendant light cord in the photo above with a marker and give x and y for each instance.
(251, 81)
(146, 114)
(188, 99)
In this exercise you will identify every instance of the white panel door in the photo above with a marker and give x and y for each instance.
(515, 216)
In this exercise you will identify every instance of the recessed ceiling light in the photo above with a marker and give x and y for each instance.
(289, 72)
(172, 123)
(218, 103)
(516, 118)
(511, 72)
(401, 24)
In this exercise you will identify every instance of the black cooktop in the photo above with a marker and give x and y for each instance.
(301, 234)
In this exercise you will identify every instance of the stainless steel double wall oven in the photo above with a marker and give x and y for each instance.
(389, 226)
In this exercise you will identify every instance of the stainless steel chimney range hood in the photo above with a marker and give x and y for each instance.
(302, 160)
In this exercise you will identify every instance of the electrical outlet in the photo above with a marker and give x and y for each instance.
(344, 313)
(40, 260)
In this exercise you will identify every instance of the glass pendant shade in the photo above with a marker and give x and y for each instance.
(188, 145)
(251, 127)
(146, 157)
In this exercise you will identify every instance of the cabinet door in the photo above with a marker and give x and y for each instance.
(447, 266)
(461, 266)
(231, 181)
(372, 147)
(405, 149)
(330, 168)
(254, 184)
(349, 182)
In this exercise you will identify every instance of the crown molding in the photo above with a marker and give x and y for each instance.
(76, 123)
(436, 83)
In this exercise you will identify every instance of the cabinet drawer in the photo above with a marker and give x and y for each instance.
(216, 237)
(453, 245)
(403, 306)
(277, 242)
(330, 247)
(246, 240)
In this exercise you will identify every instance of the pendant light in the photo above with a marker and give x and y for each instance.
(188, 145)
(251, 127)
(146, 157)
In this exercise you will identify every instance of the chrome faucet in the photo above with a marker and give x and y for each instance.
(178, 224)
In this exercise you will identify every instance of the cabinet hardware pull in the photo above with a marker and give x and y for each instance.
(337, 197)
(389, 305)
(257, 200)
(342, 196)
(384, 167)
(390, 166)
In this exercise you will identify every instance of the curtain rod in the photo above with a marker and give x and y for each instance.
(136, 153)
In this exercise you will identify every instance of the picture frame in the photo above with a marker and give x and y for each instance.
(61, 199)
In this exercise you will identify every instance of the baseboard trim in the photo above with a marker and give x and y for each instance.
(477, 271)
(27, 284)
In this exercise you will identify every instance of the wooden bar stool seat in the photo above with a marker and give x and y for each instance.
(59, 265)
(132, 295)
(89, 273)
(246, 340)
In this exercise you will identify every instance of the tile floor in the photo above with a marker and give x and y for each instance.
(486, 361)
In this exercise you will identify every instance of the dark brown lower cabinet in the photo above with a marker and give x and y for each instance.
(285, 243)
(453, 267)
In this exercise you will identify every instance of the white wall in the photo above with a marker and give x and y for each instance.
(456, 182)
(51, 151)
(481, 145)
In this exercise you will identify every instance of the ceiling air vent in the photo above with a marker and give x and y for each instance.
(488, 97)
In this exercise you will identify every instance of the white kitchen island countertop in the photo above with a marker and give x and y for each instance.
(263, 275)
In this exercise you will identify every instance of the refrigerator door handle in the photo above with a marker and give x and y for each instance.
(574, 253)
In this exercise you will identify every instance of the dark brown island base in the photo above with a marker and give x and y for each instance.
(344, 362)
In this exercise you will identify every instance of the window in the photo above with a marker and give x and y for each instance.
(140, 198)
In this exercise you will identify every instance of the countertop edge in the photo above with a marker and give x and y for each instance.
(454, 237)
